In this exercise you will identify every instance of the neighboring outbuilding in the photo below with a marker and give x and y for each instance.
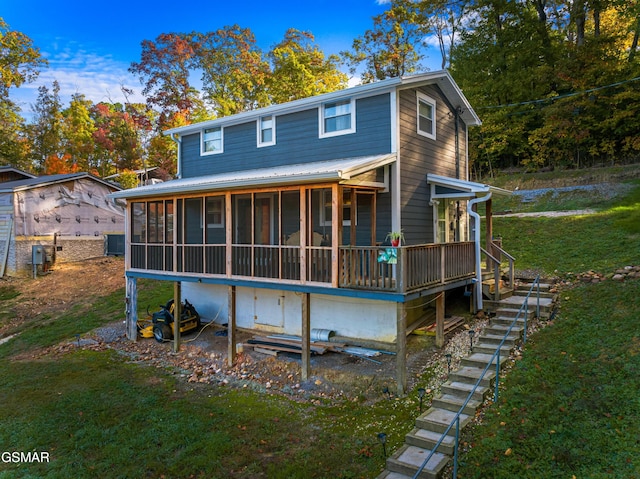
(55, 218)
(282, 218)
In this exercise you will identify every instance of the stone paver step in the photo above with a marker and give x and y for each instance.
(438, 420)
(428, 439)
(455, 403)
(408, 459)
(457, 388)
(480, 360)
(471, 375)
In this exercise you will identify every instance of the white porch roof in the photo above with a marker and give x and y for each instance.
(340, 170)
(456, 188)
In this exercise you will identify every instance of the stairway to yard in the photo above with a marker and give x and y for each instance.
(430, 425)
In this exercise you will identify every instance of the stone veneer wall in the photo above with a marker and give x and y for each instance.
(67, 249)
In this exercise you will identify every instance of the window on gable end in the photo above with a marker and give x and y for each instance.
(212, 141)
(266, 131)
(426, 116)
(338, 118)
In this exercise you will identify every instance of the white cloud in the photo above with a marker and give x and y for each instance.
(97, 77)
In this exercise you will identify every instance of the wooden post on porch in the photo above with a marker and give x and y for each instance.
(306, 336)
(440, 320)
(231, 326)
(177, 314)
(489, 227)
(132, 309)
(401, 348)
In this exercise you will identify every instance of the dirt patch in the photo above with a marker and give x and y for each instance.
(61, 288)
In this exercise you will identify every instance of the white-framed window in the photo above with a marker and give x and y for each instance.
(215, 212)
(212, 141)
(266, 131)
(338, 118)
(325, 210)
(426, 116)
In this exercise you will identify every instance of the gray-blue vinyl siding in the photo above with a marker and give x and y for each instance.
(297, 141)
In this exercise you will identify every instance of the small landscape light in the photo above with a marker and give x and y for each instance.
(382, 439)
(471, 333)
(448, 356)
(421, 393)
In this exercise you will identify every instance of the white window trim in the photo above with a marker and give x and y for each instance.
(421, 97)
(326, 198)
(207, 153)
(323, 134)
(259, 131)
(222, 210)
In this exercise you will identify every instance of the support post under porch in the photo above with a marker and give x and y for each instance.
(401, 348)
(177, 315)
(306, 336)
(131, 311)
(440, 320)
(231, 326)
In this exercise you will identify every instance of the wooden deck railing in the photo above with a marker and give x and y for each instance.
(359, 267)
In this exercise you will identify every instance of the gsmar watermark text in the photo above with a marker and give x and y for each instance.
(20, 456)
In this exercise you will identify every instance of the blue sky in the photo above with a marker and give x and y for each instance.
(90, 45)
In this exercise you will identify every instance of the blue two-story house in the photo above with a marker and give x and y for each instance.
(279, 219)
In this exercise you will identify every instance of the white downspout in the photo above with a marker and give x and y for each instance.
(476, 239)
(178, 141)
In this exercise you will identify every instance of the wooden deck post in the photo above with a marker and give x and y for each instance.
(231, 326)
(401, 348)
(306, 336)
(132, 309)
(177, 314)
(440, 320)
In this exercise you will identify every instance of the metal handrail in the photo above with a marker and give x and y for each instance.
(456, 419)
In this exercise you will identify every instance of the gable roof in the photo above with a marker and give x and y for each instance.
(456, 188)
(342, 169)
(441, 78)
(38, 181)
(10, 169)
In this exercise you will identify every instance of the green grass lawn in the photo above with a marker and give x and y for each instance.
(569, 407)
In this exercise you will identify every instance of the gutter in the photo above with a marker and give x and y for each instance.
(178, 141)
(476, 231)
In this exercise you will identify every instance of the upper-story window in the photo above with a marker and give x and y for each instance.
(266, 131)
(211, 141)
(338, 118)
(426, 116)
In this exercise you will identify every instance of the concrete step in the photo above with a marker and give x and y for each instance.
(393, 475)
(454, 403)
(428, 439)
(438, 420)
(534, 294)
(480, 360)
(408, 459)
(488, 348)
(496, 339)
(457, 388)
(502, 329)
(471, 375)
(507, 320)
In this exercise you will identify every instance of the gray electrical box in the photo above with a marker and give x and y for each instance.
(37, 254)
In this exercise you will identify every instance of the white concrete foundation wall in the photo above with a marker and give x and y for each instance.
(279, 312)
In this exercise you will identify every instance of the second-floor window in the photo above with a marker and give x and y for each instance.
(337, 118)
(211, 141)
(426, 116)
(266, 131)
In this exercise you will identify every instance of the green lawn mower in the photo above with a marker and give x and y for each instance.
(160, 324)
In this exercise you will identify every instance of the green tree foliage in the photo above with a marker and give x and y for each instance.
(78, 128)
(392, 48)
(300, 69)
(20, 63)
(556, 85)
(46, 130)
(234, 73)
